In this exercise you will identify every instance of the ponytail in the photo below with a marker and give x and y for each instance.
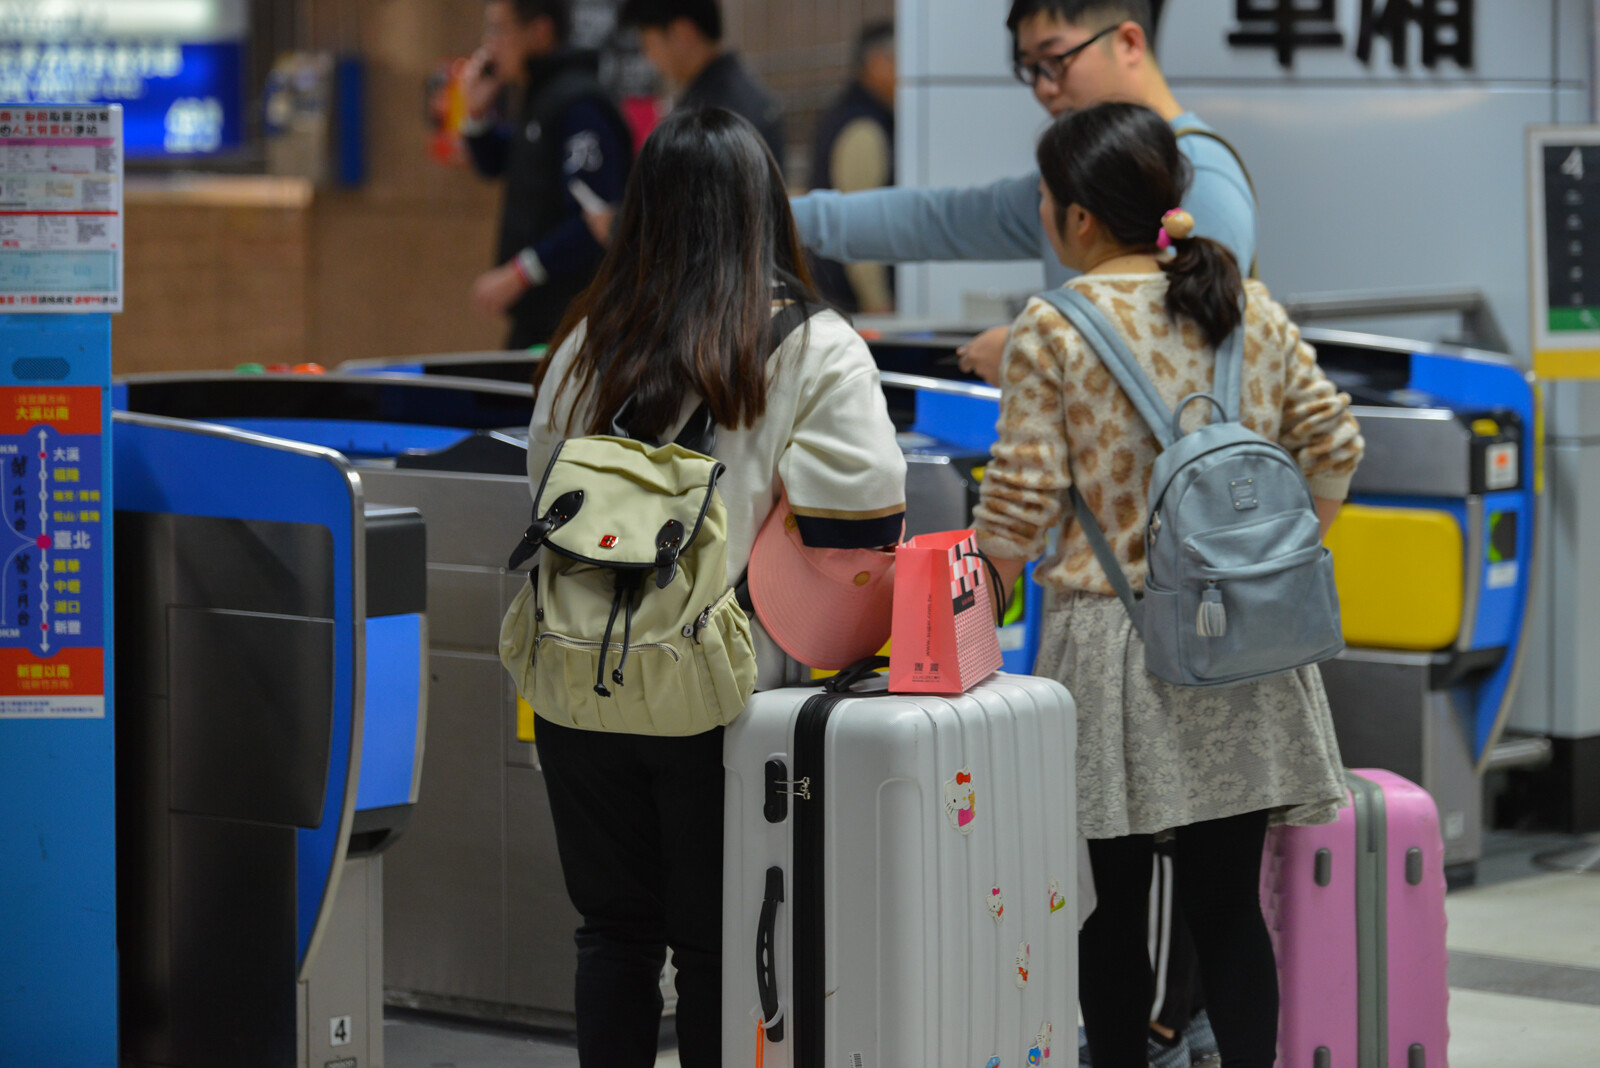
(1203, 283)
(1121, 163)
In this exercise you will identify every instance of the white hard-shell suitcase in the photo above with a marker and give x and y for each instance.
(900, 878)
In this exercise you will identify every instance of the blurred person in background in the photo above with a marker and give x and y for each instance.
(683, 40)
(854, 151)
(538, 116)
(1072, 54)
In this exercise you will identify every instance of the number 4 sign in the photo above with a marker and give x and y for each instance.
(339, 1031)
(1564, 250)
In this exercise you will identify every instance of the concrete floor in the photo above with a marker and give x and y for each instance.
(1524, 978)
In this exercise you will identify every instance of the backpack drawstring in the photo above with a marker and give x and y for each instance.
(621, 600)
(627, 637)
(605, 642)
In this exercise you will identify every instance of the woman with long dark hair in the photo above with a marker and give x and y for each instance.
(703, 257)
(1211, 767)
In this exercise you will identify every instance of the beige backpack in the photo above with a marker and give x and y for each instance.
(628, 622)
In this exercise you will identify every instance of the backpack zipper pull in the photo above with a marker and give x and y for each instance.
(1212, 619)
(701, 624)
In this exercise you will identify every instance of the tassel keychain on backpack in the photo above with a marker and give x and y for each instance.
(1212, 619)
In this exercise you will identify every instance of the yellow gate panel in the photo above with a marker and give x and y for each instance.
(1400, 575)
(525, 717)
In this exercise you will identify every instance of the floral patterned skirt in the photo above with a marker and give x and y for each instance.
(1153, 756)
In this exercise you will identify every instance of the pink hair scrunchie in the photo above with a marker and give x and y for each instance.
(1176, 225)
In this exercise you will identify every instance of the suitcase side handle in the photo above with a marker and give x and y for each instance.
(766, 958)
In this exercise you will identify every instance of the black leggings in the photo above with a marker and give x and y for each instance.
(638, 823)
(1217, 873)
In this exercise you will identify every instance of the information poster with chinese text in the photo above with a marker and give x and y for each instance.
(52, 589)
(61, 186)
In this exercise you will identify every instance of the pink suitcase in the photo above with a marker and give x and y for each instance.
(1356, 913)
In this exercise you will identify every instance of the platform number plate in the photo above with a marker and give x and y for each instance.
(339, 1031)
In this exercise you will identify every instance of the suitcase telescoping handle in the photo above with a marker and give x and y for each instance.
(766, 958)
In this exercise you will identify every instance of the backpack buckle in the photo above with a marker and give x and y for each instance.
(558, 514)
(669, 542)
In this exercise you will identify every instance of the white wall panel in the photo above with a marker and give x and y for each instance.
(1388, 188)
(1573, 42)
(954, 39)
(961, 135)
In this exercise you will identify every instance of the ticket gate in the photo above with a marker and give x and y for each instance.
(476, 920)
(1436, 634)
(272, 704)
(1436, 563)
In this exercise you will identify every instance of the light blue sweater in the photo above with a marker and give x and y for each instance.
(1000, 221)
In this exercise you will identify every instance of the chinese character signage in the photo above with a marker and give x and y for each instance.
(1445, 29)
(60, 208)
(1564, 231)
(52, 589)
(176, 66)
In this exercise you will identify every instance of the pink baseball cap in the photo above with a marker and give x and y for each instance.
(827, 608)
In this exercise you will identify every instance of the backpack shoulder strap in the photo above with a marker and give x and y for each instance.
(1107, 558)
(700, 432)
(1103, 338)
(1227, 373)
(1199, 131)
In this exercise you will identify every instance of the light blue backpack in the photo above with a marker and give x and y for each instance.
(1239, 584)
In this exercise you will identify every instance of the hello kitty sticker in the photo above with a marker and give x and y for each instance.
(1057, 900)
(997, 904)
(1023, 953)
(961, 801)
(1039, 1052)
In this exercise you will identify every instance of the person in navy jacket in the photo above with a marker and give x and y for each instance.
(563, 129)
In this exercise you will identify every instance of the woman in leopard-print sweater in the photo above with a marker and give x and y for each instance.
(1214, 766)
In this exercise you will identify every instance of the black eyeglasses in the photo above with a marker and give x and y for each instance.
(1053, 67)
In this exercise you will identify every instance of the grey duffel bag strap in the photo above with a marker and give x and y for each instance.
(1108, 560)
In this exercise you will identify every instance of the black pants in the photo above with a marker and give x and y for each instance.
(638, 825)
(1217, 872)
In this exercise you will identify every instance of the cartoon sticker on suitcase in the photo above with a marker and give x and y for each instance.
(994, 1062)
(1023, 952)
(1039, 1052)
(997, 904)
(961, 801)
(1058, 900)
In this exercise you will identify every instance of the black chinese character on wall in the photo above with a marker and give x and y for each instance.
(1284, 25)
(1446, 27)
(1287, 25)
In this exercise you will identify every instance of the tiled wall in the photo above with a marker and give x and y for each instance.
(803, 52)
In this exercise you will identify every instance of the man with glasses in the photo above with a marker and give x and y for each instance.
(1072, 53)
